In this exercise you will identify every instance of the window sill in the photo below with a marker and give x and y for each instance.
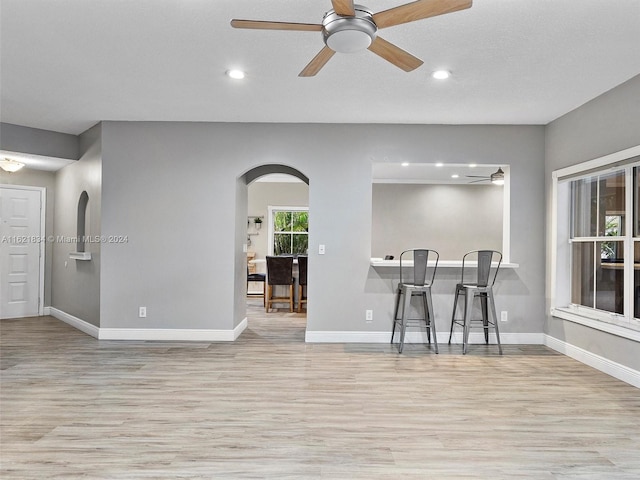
(620, 328)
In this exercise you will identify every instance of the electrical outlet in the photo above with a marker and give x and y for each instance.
(142, 312)
(320, 249)
(504, 316)
(369, 315)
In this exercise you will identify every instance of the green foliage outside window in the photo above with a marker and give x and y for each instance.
(290, 232)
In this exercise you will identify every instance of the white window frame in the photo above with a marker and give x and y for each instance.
(275, 208)
(560, 256)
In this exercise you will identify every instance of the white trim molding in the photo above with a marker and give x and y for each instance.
(150, 334)
(76, 322)
(614, 369)
(612, 328)
(420, 337)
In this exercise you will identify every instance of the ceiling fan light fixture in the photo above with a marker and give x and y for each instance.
(11, 166)
(497, 178)
(349, 34)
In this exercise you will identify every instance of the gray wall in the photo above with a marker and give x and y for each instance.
(451, 219)
(76, 284)
(39, 178)
(186, 222)
(607, 124)
(34, 141)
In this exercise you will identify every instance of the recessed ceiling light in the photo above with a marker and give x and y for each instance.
(473, 165)
(455, 175)
(441, 74)
(439, 164)
(405, 164)
(235, 74)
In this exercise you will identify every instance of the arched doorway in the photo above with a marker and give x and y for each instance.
(269, 194)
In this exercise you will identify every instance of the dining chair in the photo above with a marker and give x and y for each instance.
(303, 261)
(479, 272)
(279, 272)
(257, 277)
(419, 261)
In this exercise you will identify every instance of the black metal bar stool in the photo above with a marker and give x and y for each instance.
(419, 286)
(486, 263)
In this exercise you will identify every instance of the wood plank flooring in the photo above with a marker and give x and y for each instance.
(269, 406)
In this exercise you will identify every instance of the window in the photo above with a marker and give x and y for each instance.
(288, 230)
(596, 243)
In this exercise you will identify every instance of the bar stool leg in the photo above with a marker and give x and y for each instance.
(468, 306)
(269, 295)
(495, 319)
(405, 309)
(453, 315)
(425, 307)
(395, 313)
(485, 316)
(430, 318)
(291, 298)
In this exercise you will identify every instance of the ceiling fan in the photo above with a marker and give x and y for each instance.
(497, 178)
(349, 28)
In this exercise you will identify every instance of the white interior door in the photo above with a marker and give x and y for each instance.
(20, 250)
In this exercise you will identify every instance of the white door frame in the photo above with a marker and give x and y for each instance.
(44, 239)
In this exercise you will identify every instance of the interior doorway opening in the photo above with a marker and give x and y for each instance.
(277, 224)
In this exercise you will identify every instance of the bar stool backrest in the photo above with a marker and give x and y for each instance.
(486, 272)
(421, 267)
(302, 269)
(280, 270)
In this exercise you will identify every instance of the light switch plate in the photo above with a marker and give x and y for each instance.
(320, 249)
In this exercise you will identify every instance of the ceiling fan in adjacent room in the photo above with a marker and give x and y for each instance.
(497, 178)
(349, 28)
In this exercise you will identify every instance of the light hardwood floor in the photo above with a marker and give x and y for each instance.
(271, 406)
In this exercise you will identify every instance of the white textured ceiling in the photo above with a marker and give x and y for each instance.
(67, 64)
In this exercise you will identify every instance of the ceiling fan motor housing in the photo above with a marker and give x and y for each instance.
(349, 34)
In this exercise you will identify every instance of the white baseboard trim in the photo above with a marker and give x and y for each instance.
(420, 337)
(616, 370)
(167, 334)
(241, 327)
(46, 311)
(149, 334)
(75, 322)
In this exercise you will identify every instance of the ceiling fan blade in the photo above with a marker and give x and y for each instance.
(261, 25)
(395, 55)
(317, 63)
(418, 10)
(344, 7)
(478, 181)
(478, 176)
